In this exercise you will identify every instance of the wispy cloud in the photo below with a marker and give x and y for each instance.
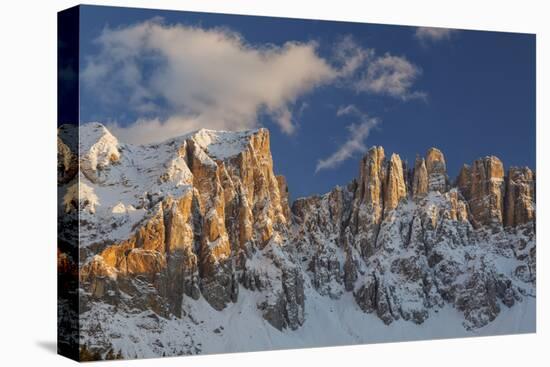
(351, 57)
(355, 143)
(351, 110)
(392, 76)
(178, 78)
(431, 34)
(365, 71)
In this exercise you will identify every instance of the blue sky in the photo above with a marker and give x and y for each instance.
(326, 90)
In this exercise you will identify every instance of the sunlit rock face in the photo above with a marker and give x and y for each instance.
(209, 207)
(202, 221)
(368, 203)
(484, 187)
(395, 188)
(437, 170)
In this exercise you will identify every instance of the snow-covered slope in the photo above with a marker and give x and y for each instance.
(119, 183)
(241, 327)
(189, 246)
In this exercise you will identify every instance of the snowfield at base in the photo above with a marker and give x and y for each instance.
(338, 322)
(241, 328)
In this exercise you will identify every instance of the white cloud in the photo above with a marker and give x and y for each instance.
(430, 34)
(355, 143)
(365, 71)
(392, 76)
(350, 56)
(200, 76)
(178, 78)
(350, 110)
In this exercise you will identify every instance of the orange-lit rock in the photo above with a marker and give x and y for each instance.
(486, 194)
(437, 170)
(395, 188)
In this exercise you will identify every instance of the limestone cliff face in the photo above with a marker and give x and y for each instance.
(212, 214)
(420, 178)
(404, 252)
(395, 188)
(483, 186)
(67, 163)
(283, 192)
(204, 218)
(323, 235)
(520, 196)
(368, 206)
(437, 170)
(464, 181)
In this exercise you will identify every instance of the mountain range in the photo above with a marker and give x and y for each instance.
(192, 246)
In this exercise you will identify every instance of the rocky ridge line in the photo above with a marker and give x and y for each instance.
(213, 217)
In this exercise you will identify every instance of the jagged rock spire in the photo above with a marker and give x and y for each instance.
(395, 188)
(520, 195)
(369, 195)
(487, 191)
(420, 178)
(437, 170)
(464, 181)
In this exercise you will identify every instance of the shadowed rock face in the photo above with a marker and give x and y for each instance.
(520, 196)
(283, 192)
(434, 245)
(464, 181)
(420, 178)
(67, 163)
(204, 216)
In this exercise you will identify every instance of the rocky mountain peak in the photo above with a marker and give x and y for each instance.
(520, 196)
(406, 261)
(437, 170)
(372, 177)
(395, 188)
(222, 145)
(368, 206)
(200, 207)
(486, 191)
(188, 227)
(420, 178)
(98, 148)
